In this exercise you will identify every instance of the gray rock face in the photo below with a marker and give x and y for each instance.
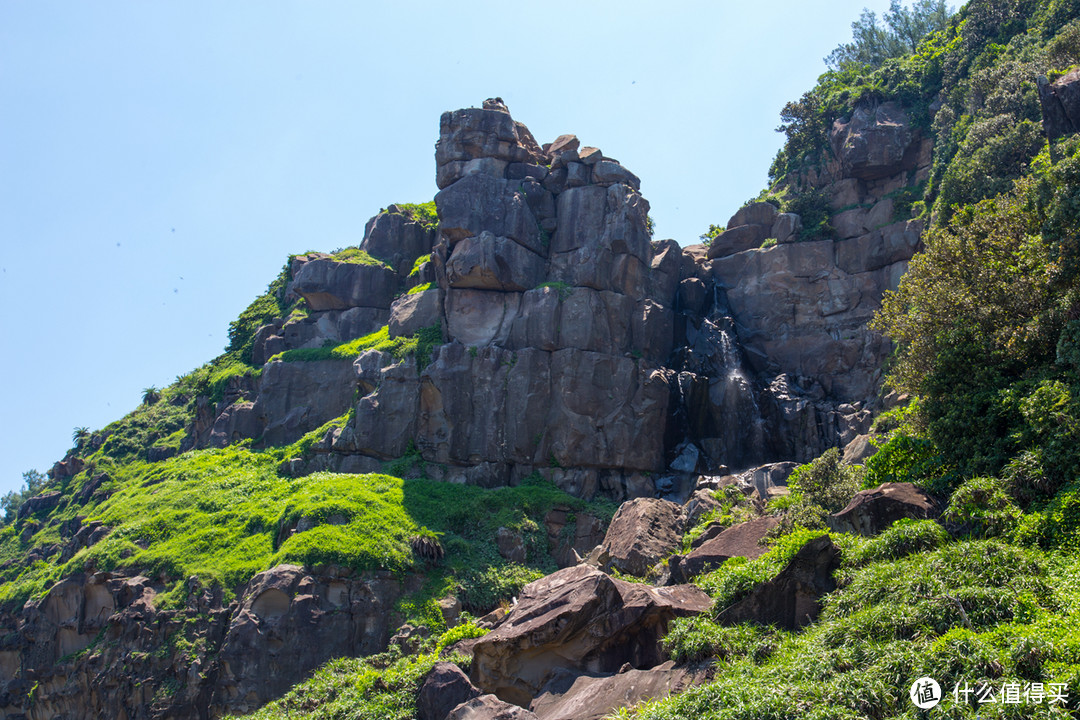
(488, 262)
(742, 540)
(329, 285)
(480, 203)
(444, 688)
(578, 619)
(643, 532)
(535, 405)
(875, 142)
(489, 707)
(296, 398)
(802, 308)
(396, 240)
(586, 697)
(290, 621)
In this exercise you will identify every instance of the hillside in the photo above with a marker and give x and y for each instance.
(513, 457)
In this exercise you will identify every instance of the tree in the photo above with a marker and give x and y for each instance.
(33, 482)
(873, 42)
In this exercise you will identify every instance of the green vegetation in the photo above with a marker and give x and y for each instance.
(421, 288)
(356, 256)
(380, 687)
(420, 262)
(424, 213)
(898, 35)
(418, 345)
(561, 288)
(32, 484)
(224, 515)
(711, 234)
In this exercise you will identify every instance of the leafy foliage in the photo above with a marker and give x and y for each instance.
(874, 42)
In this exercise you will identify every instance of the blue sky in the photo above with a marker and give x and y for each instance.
(159, 161)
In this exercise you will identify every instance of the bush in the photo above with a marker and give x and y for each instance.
(904, 537)
(826, 481)
(980, 507)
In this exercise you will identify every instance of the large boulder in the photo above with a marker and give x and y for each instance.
(876, 141)
(489, 262)
(414, 311)
(742, 540)
(326, 284)
(1060, 102)
(396, 239)
(872, 511)
(489, 707)
(480, 203)
(580, 619)
(792, 599)
(643, 532)
(588, 697)
(444, 688)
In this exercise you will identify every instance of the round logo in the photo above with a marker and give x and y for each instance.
(925, 693)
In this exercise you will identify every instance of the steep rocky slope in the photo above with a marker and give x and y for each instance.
(513, 431)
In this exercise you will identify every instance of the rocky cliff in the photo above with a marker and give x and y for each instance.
(572, 344)
(552, 337)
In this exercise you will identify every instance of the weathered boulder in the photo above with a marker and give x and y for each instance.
(859, 450)
(571, 535)
(414, 311)
(792, 599)
(580, 619)
(290, 621)
(489, 707)
(876, 141)
(608, 172)
(444, 688)
(872, 511)
(480, 203)
(294, 398)
(742, 540)
(786, 227)
(739, 238)
(1060, 102)
(480, 317)
(488, 262)
(396, 239)
(755, 213)
(481, 134)
(569, 696)
(43, 503)
(326, 284)
(643, 532)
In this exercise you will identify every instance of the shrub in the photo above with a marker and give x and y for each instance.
(826, 481)
(980, 507)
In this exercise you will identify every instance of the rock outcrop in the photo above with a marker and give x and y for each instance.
(569, 343)
(582, 620)
(589, 697)
(872, 511)
(792, 599)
